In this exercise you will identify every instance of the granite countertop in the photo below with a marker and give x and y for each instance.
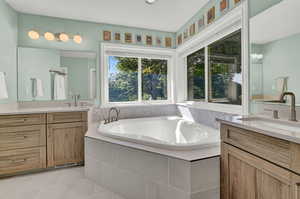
(42, 110)
(281, 129)
(188, 155)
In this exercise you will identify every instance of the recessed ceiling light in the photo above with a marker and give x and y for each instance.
(150, 1)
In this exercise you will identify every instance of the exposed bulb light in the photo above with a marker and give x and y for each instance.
(49, 36)
(77, 39)
(63, 37)
(33, 35)
(150, 1)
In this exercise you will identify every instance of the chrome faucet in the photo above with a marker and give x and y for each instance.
(76, 99)
(112, 118)
(293, 116)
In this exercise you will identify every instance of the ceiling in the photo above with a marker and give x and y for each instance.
(164, 15)
(278, 22)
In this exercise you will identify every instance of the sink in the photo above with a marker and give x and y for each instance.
(274, 124)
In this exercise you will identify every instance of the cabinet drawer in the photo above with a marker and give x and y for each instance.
(22, 137)
(66, 117)
(272, 149)
(22, 120)
(19, 160)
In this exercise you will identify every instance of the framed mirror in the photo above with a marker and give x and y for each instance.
(275, 50)
(48, 74)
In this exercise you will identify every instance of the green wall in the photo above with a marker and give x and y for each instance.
(203, 12)
(92, 34)
(36, 63)
(281, 58)
(78, 75)
(8, 51)
(258, 6)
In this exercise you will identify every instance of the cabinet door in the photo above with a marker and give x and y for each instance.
(249, 177)
(65, 143)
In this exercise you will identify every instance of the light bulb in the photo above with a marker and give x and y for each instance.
(33, 35)
(63, 37)
(49, 36)
(77, 39)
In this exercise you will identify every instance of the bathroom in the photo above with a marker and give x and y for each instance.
(149, 99)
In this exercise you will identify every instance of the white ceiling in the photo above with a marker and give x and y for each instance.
(164, 15)
(278, 22)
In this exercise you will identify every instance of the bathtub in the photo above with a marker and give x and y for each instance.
(172, 133)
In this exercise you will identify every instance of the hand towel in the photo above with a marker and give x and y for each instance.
(59, 87)
(3, 86)
(39, 88)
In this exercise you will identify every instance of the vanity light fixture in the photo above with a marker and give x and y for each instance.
(63, 37)
(49, 36)
(150, 1)
(34, 35)
(77, 39)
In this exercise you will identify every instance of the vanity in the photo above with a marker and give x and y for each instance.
(34, 140)
(260, 158)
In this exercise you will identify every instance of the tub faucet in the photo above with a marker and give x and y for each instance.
(112, 118)
(293, 116)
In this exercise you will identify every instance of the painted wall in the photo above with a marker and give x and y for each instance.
(203, 12)
(36, 63)
(92, 34)
(281, 58)
(258, 6)
(78, 75)
(8, 52)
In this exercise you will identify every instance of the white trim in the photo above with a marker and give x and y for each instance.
(234, 20)
(108, 49)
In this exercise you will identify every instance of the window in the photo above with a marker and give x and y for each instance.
(196, 75)
(123, 79)
(224, 82)
(137, 79)
(154, 79)
(225, 78)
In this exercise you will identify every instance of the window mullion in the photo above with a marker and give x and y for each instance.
(140, 79)
(207, 78)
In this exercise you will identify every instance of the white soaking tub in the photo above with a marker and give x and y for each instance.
(173, 133)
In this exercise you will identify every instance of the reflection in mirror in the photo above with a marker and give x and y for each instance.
(275, 49)
(46, 74)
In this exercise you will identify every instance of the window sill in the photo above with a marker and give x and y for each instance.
(231, 109)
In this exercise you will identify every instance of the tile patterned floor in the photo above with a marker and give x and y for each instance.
(68, 183)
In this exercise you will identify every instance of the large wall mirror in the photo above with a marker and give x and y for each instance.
(275, 52)
(48, 74)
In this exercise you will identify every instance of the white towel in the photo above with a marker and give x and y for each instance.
(3, 86)
(39, 88)
(59, 87)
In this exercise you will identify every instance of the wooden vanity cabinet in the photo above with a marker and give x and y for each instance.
(31, 142)
(22, 143)
(65, 138)
(251, 170)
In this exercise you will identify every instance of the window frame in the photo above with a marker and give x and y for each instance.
(121, 50)
(233, 21)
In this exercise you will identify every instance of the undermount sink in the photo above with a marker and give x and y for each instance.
(275, 124)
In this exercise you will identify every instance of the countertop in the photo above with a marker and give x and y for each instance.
(42, 110)
(190, 155)
(269, 130)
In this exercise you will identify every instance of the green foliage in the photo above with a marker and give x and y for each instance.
(123, 85)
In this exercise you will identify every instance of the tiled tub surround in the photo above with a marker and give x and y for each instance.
(136, 111)
(140, 174)
(188, 112)
(203, 116)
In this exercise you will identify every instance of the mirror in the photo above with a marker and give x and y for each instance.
(48, 74)
(275, 52)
